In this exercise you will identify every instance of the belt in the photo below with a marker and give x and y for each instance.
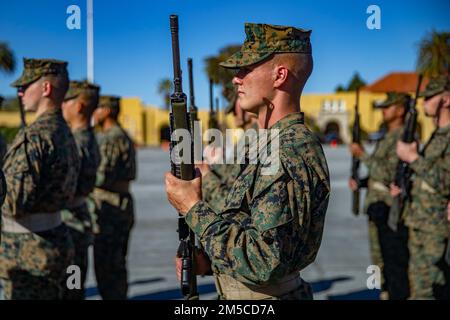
(231, 289)
(77, 202)
(119, 187)
(36, 222)
(119, 200)
(379, 186)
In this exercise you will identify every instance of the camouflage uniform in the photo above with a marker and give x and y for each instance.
(2, 149)
(77, 217)
(391, 248)
(114, 209)
(218, 182)
(271, 227)
(426, 213)
(41, 169)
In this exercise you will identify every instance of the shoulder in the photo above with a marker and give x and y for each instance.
(298, 144)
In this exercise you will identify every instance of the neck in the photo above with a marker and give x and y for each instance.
(444, 118)
(80, 122)
(395, 124)
(108, 124)
(46, 105)
(277, 109)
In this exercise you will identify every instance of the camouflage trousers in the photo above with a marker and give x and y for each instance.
(111, 246)
(79, 223)
(33, 265)
(303, 292)
(393, 246)
(375, 251)
(429, 274)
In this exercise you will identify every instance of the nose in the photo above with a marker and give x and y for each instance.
(236, 80)
(20, 94)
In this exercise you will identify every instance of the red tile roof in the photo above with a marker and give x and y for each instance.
(396, 81)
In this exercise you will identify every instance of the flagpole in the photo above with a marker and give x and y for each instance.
(90, 40)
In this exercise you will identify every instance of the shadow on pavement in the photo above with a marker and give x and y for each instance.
(93, 291)
(174, 293)
(323, 285)
(318, 286)
(366, 294)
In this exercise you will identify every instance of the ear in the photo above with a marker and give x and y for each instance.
(46, 88)
(280, 74)
(79, 105)
(446, 100)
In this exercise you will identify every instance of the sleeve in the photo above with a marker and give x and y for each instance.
(217, 184)
(23, 166)
(109, 156)
(367, 159)
(267, 244)
(436, 174)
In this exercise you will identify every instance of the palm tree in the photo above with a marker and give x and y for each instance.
(221, 75)
(7, 60)
(165, 88)
(434, 54)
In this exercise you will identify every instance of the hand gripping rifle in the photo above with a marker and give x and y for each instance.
(403, 172)
(356, 138)
(180, 119)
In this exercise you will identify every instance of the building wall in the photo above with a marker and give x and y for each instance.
(339, 105)
(144, 123)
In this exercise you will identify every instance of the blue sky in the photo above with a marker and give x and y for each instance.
(133, 49)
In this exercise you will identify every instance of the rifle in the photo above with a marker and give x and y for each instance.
(447, 252)
(403, 172)
(180, 119)
(212, 124)
(356, 138)
(193, 110)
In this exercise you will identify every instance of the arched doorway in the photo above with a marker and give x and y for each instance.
(332, 133)
(164, 136)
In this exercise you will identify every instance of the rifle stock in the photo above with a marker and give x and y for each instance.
(356, 138)
(179, 119)
(403, 172)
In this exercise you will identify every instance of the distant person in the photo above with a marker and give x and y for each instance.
(79, 104)
(41, 170)
(389, 249)
(113, 201)
(425, 212)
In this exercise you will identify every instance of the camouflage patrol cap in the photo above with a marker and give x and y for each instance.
(78, 87)
(36, 68)
(262, 40)
(435, 86)
(393, 98)
(112, 102)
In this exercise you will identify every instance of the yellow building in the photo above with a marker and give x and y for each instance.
(149, 125)
(336, 111)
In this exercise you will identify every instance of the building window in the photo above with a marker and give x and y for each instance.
(334, 106)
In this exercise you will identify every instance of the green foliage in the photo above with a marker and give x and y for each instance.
(219, 75)
(10, 104)
(7, 60)
(8, 133)
(355, 82)
(434, 54)
(165, 88)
